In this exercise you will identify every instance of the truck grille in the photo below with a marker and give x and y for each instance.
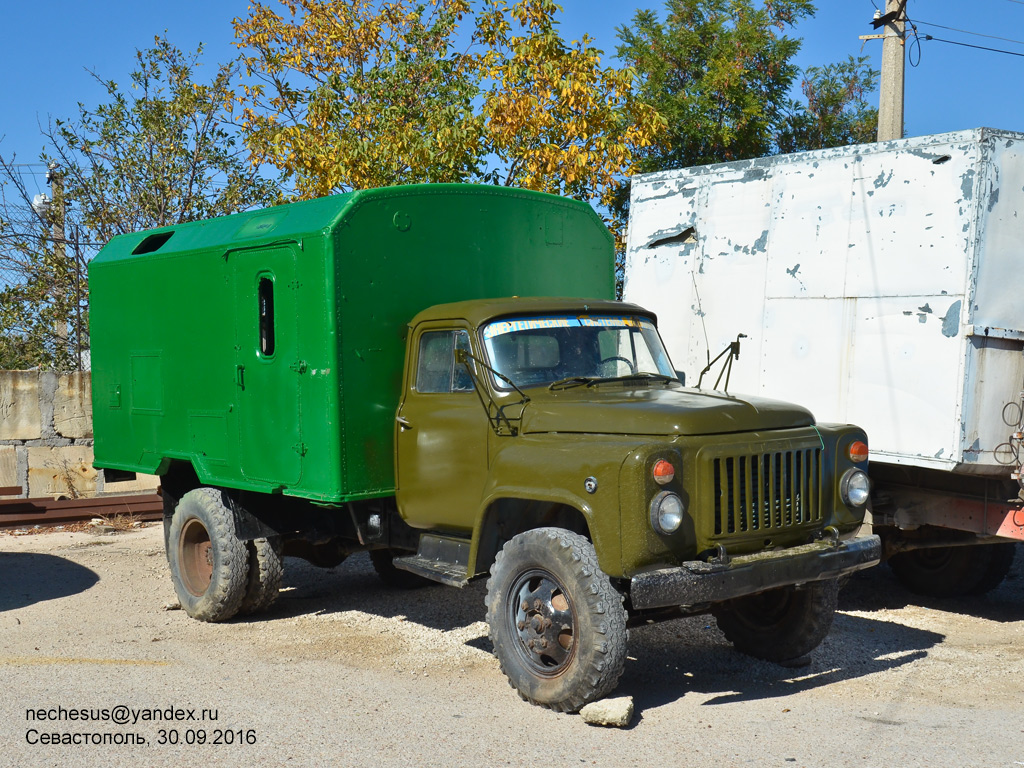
(767, 491)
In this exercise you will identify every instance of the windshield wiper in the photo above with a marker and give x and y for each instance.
(498, 420)
(643, 376)
(572, 381)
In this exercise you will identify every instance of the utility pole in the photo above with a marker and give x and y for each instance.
(59, 235)
(890, 104)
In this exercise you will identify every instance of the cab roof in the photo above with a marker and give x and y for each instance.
(480, 311)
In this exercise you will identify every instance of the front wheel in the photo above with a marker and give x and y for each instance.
(557, 624)
(780, 624)
(209, 564)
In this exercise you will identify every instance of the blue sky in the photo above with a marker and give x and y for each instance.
(46, 49)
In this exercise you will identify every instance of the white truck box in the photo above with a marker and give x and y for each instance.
(878, 284)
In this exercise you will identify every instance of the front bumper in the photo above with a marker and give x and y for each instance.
(696, 582)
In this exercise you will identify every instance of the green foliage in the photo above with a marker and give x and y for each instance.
(357, 94)
(719, 71)
(43, 291)
(37, 313)
(162, 152)
(836, 111)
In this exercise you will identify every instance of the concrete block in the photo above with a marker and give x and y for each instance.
(57, 472)
(72, 406)
(9, 467)
(609, 712)
(140, 484)
(20, 416)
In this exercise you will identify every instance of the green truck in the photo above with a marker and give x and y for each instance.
(380, 371)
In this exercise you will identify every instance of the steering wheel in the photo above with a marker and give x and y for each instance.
(632, 368)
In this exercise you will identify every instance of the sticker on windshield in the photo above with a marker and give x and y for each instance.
(615, 322)
(503, 327)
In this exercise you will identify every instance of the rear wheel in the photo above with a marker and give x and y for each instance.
(209, 564)
(1000, 560)
(557, 624)
(780, 624)
(947, 571)
(266, 568)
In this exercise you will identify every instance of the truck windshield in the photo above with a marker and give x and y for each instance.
(537, 351)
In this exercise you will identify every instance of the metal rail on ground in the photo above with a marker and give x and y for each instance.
(28, 513)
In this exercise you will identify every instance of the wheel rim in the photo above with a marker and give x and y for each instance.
(195, 554)
(544, 622)
(933, 558)
(767, 609)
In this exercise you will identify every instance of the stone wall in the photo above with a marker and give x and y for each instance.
(46, 438)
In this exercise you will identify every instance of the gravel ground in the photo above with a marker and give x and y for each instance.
(344, 672)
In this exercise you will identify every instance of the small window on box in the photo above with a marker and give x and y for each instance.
(152, 243)
(265, 296)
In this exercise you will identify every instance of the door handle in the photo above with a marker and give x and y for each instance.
(240, 376)
(403, 422)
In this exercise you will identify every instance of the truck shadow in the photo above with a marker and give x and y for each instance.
(877, 589)
(27, 578)
(668, 661)
(353, 586)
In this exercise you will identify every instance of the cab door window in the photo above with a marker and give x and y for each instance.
(436, 370)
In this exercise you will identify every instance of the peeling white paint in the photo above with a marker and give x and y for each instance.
(857, 273)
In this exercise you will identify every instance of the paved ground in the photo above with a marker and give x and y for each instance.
(347, 673)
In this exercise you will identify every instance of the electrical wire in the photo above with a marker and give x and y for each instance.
(978, 47)
(968, 32)
(916, 41)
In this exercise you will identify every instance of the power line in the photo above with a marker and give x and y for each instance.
(968, 32)
(968, 45)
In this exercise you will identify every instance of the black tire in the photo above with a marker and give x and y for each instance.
(558, 667)
(941, 571)
(383, 563)
(266, 568)
(1000, 560)
(209, 564)
(780, 624)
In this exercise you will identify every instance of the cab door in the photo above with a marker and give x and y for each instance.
(441, 435)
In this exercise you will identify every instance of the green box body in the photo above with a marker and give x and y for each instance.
(267, 348)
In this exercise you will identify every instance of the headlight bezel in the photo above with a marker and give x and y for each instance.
(855, 487)
(662, 518)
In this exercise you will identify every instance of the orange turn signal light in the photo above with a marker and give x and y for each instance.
(664, 472)
(858, 451)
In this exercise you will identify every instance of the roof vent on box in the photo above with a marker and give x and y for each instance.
(152, 243)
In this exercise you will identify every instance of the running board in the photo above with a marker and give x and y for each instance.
(440, 558)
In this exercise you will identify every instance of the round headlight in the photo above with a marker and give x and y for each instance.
(855, 488)
(667, 512)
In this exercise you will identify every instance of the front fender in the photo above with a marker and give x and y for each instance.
(554, 468)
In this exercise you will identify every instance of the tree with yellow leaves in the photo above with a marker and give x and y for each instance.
(353, 94)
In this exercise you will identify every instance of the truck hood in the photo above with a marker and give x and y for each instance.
(655, 410)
